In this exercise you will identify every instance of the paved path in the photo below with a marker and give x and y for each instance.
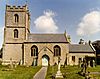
(41, 74)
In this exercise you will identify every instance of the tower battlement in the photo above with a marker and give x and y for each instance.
(16, 8)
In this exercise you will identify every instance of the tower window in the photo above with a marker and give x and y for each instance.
(57, 51)
(15, 33)
(16, 18)
(34, 51)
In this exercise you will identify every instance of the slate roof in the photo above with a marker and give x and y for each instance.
(80, 48)
(58, 38)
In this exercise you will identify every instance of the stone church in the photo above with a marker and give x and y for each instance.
(21, 46)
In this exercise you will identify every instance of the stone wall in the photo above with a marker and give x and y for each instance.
(10, 19)
(9, 35)
(41, 51)
(77, 56)
(12, 51)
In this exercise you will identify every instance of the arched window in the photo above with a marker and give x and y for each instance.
(16, 18)
(15, 33)
(34, 51)
(57, 51)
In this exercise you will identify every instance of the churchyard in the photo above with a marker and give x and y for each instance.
(71, 72)
(27, 72)
(20, 72)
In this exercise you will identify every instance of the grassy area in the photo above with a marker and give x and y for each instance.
(20, 72)
(94, 69)
(51, 70)
(71, 72)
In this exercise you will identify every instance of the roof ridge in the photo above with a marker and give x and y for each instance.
(46, 34)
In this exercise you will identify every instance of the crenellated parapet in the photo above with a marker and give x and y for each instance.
(16, 8)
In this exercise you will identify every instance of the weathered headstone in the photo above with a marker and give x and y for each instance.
(89, 63)
(11, 63)
(80, 62)
(15, 64)
(93, 63)
(84, 66)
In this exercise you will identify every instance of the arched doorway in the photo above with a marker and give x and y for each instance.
(45, 60)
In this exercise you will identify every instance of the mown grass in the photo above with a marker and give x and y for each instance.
(51, 71)
(94, 69)
(20, 72)
(71, 72)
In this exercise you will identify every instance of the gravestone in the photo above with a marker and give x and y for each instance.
(84, 68)
(87, 75)
(84, 71)
(59, 74)
(15, 64)
(89, 63)
(80, 63)
(11, 63)
(93, 63)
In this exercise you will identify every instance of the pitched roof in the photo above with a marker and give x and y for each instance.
(80, 48)
(47, 38)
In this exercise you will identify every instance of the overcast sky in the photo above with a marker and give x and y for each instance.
(80, 18)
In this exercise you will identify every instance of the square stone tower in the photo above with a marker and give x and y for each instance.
(17, 27)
